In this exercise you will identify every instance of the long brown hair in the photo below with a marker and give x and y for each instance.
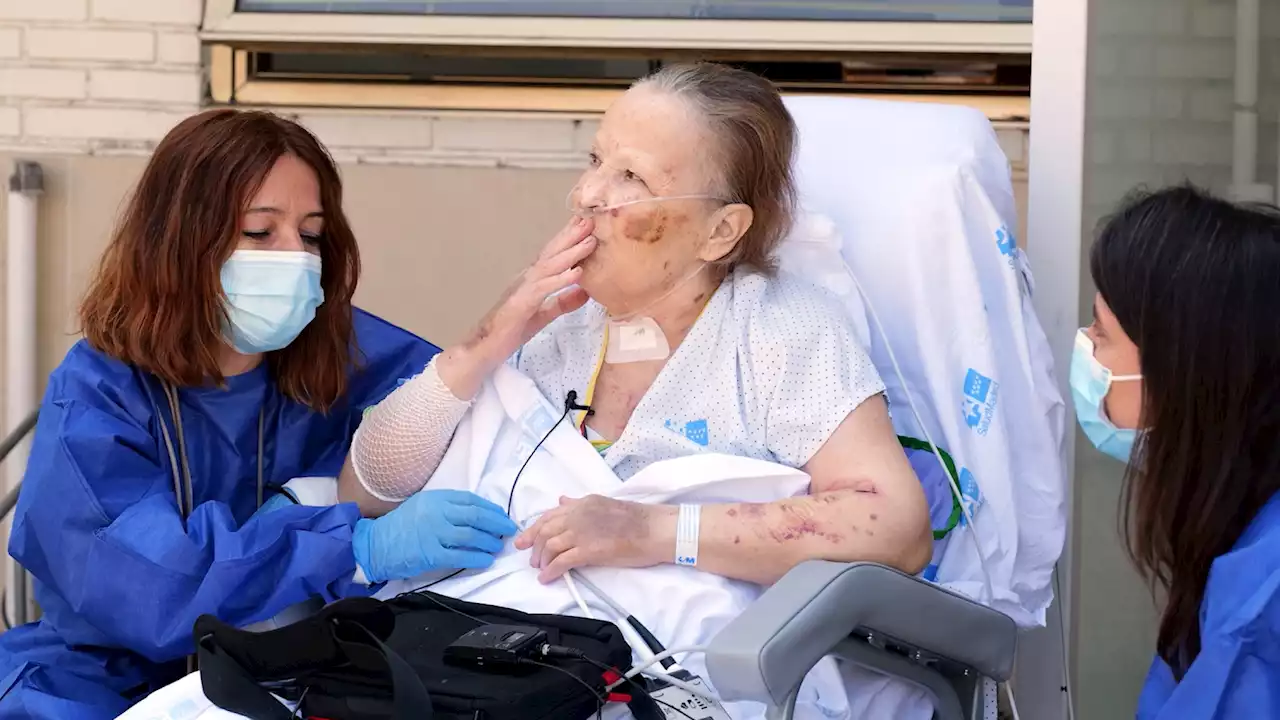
(157, 303)
(1195, 282)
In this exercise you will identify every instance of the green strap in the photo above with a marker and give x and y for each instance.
(911, 443)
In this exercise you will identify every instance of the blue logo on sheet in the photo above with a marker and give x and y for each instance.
(696, 431)
(970, 495)
(980, 395)
(536, 422)
(1005, 241)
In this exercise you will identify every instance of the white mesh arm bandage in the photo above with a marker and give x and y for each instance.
(402, 439)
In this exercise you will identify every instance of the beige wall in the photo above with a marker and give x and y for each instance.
(438, 243)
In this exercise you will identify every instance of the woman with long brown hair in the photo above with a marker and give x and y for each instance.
(221, 355)
(1179, 376)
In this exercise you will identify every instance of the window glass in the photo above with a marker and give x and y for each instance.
(889, 10)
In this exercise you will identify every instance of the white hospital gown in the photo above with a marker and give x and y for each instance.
(769, 370)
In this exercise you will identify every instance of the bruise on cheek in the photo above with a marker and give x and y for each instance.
(646, 229)
(653, 227)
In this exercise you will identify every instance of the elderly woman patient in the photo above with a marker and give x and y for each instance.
(657, 307)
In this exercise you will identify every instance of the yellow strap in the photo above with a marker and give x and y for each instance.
(595, 374)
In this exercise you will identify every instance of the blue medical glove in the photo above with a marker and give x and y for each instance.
(432, 530)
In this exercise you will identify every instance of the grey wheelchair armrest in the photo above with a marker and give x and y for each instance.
(765, 652)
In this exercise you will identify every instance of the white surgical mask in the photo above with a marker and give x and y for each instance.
(272, 296)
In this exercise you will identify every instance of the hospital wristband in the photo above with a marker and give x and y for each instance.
(687, 526)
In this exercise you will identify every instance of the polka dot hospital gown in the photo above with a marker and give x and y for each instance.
(768, 371)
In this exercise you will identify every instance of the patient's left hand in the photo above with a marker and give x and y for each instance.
(596, 530)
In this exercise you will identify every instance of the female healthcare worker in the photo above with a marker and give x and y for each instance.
(221, 353)
(1179, 376)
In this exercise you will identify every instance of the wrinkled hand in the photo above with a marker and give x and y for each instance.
(595, 530)
(524, 309)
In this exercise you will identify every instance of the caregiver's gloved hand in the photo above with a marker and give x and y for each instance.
(432, 530)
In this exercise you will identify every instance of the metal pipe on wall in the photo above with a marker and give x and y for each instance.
(21, 370)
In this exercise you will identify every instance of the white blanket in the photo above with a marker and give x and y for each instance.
(681, 606)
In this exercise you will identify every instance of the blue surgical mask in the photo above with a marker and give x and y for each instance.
(1090, 383)
(271, 297)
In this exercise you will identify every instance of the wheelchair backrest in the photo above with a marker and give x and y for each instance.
(917, 201)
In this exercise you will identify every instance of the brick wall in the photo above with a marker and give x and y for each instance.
(1160, 96)
(96, 75)
(112, 76)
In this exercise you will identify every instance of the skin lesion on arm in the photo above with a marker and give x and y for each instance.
(865, 504)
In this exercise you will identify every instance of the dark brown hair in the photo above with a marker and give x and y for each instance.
(756, 140)
(157, 303)
(1193, 280)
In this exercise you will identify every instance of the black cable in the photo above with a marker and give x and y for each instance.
(433, 583)
(570, 402)
(4, 609)
(298, 709)
(652, 642)
(453, 609)
(580, 681)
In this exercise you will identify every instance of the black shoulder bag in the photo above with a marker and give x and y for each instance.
(364, 659)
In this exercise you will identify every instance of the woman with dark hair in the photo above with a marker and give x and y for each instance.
(1179, 376)
(221, 354)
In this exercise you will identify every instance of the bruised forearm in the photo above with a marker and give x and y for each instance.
(761, 542)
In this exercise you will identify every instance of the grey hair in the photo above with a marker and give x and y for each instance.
(755, 139)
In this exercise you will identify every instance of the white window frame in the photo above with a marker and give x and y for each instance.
(223, 24)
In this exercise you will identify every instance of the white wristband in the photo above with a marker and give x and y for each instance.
(687, 526)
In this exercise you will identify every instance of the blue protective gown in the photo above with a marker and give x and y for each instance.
(1237, 673)
(120, 580)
